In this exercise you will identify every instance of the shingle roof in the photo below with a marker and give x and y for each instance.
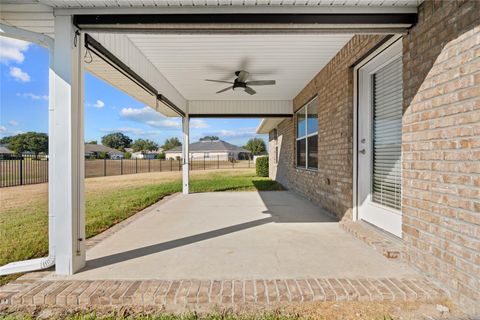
(209, 146)
(100, 148)
(4, 149)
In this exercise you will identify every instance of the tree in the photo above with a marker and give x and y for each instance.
(171, 143)
(34, 142)
(211, 138)
(144, 145)
(116, 140)
(256, 146)
(92, 142)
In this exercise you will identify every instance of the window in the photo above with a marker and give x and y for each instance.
(307, 136)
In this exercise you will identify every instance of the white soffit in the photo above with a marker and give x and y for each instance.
(187, 60)
(236, 3)
(268, 124)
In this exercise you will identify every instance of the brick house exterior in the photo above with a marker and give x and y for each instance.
(440, 143)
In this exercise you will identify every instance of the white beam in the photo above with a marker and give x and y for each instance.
(17, 33)
(68, 149)
(262, 108)
(185, 154)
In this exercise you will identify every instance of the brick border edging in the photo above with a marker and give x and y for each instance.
(177, 295)
(375, 239)
(93, 241)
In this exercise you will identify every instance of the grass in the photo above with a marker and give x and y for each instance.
(109, 200)
(186, 316)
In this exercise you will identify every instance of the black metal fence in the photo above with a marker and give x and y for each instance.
(28, 169)
(19, 170)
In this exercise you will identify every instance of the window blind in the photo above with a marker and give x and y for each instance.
(387, 134)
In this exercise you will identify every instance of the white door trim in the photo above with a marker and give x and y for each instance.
(380, 49)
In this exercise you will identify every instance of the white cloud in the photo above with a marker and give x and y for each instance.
(154, 119)
(33, 96)
(4, 132)
(198, 124)
(13, 123)
(19, 75)
(98, 104)
(12, 50)
(150, 117)
(238, 133)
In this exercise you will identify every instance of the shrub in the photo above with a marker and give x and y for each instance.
(128, 155)
(261, 166)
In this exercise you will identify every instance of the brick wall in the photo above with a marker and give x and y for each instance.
(441, 143)
(330, 186)
(441, 146)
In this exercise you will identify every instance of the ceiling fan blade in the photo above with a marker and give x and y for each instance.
(242, 75)
(221, 81)
(250, 91)
(261, 83)
(223, 90)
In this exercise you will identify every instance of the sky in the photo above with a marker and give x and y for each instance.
(24, 104)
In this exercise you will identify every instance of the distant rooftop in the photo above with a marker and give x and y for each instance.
(210, 146)
(90, 148)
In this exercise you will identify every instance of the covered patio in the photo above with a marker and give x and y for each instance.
(162, 55)
(213, 251)
(235, 235)
(256, 246)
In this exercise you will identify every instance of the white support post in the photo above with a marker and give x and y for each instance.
(185, 153)
(67, 153)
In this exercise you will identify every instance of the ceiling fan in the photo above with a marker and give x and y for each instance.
(241, 84)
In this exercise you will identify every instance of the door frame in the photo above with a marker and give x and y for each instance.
(376, 52)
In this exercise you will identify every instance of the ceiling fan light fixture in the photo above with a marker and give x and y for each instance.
(238, 88)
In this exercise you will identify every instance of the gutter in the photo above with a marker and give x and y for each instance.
(49, 261)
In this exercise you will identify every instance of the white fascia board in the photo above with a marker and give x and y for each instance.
(240, 107)
(268, 124)
(120, 46)
(238, 9)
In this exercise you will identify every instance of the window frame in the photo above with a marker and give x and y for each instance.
(304, 110)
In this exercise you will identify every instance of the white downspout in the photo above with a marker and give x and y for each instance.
(49, 261)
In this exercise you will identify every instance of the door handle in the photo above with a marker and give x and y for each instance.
(363, 151)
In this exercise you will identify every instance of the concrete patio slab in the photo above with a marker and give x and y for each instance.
(233, 250)
(235, 235)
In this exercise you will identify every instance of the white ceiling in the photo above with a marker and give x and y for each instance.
(163, 3)
(187, 60)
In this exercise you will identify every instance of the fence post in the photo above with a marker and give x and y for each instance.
(179, 165)
(171, 164)
(121, 166)
(204, 161)
(249, 162)
(136, 165)
(104, 167)
(160, 164)
(148, 164)
(21, 169)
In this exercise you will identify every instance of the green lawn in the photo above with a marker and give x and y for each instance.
(24, 228)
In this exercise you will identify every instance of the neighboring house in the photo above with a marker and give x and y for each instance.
(210, 150)
(4, 150)
(93, 150)
(146, 155)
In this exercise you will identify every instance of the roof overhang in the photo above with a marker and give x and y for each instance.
(247, 22)
(268, 124)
